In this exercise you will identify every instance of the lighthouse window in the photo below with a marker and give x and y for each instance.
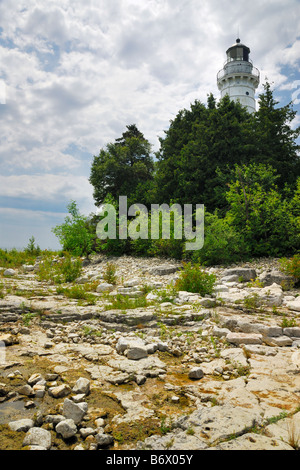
(239, 53)
(247, 93)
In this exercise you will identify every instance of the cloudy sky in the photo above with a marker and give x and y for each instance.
(74, 73)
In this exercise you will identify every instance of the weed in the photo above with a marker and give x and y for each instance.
(77, 292)
(275, 419)
(110, 273)
(190, 431)
(59, 271)
(164, 428)
(294, 435)
(292, 266)
(27, 317)
(255, 283)
(287, 323)
(122, 302)
(251, 302)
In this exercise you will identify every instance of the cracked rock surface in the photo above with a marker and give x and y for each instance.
(161, 370)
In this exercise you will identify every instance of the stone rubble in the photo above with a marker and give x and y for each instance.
(209, 373)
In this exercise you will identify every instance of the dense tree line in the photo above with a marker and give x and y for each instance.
(244, 168)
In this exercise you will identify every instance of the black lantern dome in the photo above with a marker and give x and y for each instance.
(238, 51)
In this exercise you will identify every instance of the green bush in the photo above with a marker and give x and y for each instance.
(193, 279)
(223, 244)
(74, 234)
(59, 271)
(32, 249)
(110, 273)
(14, 258)
(291, 266)
(266, 219)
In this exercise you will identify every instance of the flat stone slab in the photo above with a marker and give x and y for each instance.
(244, 338)
(252, 441)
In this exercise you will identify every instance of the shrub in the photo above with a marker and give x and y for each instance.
(77, 292)
(32, 249)
(223, 244)
(61, 270)
(292, 266)
(110, 273)
(74, 234)
(193, 279)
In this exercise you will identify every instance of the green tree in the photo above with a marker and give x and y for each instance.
(260, 213)
(123, 168)
(275, 139)
(198, 142)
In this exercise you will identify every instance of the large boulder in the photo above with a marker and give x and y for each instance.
(38, 437)
(239, 274)
(267, 278)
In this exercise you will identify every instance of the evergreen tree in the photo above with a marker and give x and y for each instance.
(198, 142)
(122, 167)
(275, 139)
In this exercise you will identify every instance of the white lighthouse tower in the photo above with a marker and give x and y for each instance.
(238, 78)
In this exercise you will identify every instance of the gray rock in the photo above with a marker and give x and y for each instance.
(294, 304)
(85, 432)
(253, 441)
(244, 338)
(243, 274)
(196, 373)
(74, 411)
(82, 386)
(104, 440)
(26, 390)
(267, 278)
(21, 425)
(133, 348)
(38, 437)
(54, 419)
(105, 287)
(9, 272)
(282, 341)
(60, 391)
(67, 428)
(33, 379)
(28, 268)
(163, 270)
(136, 352)
(293, 331)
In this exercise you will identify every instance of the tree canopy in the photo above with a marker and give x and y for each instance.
(122, 167)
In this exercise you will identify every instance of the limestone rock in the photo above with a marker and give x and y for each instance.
(9, 272)
(105, 287)
(244, 338)
(104, 440)
(60, 391)
(74, 411)
(196, 373)
(267, 278)
(67, 428)
(21, 425)
(243, 274)
(252, 441)
(38, 437)
(294, 304)
(82, 386)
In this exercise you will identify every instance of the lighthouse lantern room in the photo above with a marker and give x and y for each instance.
(239, 78)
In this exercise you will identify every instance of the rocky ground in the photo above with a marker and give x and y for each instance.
(137, 365)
